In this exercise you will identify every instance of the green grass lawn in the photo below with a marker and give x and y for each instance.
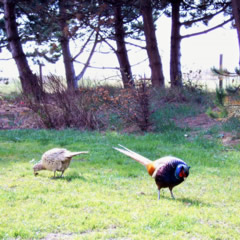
(106, 195)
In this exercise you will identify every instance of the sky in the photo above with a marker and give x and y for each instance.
(200, 52)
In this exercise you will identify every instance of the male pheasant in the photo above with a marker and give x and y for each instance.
(167, 171)
(56, 159)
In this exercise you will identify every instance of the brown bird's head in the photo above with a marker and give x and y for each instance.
(37, 167)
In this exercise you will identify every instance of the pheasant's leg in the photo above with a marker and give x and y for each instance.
(62, 173)
(171, 193)
(158, 194)
(54, 174)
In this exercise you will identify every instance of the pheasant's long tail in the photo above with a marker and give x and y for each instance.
(72, 154)
(137, 157)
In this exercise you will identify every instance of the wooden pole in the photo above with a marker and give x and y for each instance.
(40, 75)
(220, 68)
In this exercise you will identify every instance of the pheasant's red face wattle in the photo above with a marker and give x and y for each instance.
(182, 174)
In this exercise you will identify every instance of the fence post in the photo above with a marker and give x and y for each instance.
(40, 74)
(220, 77)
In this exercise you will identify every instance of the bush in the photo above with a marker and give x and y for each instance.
(104, 107)
(91, 108)
(220, 95)
(61, 108)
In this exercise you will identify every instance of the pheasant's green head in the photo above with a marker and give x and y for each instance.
(182, 171)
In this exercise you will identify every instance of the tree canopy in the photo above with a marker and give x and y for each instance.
(43, 31)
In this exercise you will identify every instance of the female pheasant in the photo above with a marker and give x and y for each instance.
(167, 171)
(56, 159)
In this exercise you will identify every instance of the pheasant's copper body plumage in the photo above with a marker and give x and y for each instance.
(167, 171)
(56, 159)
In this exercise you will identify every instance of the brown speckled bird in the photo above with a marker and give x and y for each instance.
(56, 159)
(167, 171)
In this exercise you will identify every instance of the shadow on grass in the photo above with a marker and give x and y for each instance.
(69, 178)
(194, 202)
(188, 201)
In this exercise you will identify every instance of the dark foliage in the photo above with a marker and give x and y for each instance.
(92, 108)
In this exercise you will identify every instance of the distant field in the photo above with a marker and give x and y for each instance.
(206, 81)
(12, 86)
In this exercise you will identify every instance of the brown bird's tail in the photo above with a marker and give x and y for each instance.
(137, 157)
(72, 154)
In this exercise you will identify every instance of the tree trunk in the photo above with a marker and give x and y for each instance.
(28, 80)
(175, 62)
(64, 41)
(122, 55)
(236, 15)
(151, 44)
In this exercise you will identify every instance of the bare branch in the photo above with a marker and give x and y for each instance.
(83, 47)
(96, 67)
(3, 46)
(80, 75)
(5, 59)
(114, 50)
(144, 60)
(208, 30)
(104, 40)
(113, 76)
(135, 45)
(111, 68)
(104, 52)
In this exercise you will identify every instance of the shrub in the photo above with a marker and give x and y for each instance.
(103, 107)
(62, 108)
(91, 108)
(220, 95)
